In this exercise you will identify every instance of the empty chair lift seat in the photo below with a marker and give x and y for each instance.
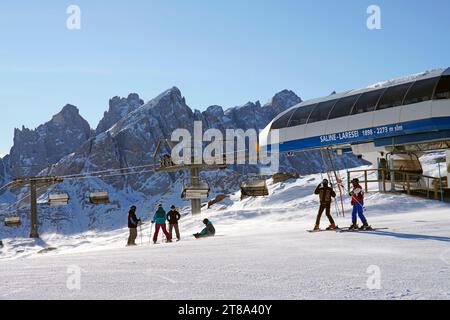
(257, 188)
(13, 222)
(193, 192)
(101, 197)
(58, 199)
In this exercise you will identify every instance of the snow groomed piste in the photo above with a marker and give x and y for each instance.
(267, 229)
(261, 251)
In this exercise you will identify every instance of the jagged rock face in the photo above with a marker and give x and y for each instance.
(131, 142)
(4, 175)
(251, 115)
(118, 109)
(34, 150)
(281, 101)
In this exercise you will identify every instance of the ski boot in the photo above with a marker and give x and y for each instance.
(353, 227)
(333, 227)
(365, 227)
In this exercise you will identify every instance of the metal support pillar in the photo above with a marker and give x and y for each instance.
(34, 217)
(392, 173)
(195, 181)
(448, 167)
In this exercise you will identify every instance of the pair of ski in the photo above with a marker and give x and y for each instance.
(347, 230)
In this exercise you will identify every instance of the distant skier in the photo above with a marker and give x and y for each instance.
(326, 193)
(357, 195)
(173, 217)
(133, 223)
(159, 218)
(209, 231)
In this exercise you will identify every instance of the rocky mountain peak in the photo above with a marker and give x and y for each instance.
(216, 111)
(168, 97)
(48, 143)
(283, 100)
(68, 113)
(118, 108)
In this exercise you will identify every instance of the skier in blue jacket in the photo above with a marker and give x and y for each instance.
(159, 218)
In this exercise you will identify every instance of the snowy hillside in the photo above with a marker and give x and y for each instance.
(261, 251)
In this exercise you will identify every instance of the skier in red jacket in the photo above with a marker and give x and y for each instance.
(357, 195)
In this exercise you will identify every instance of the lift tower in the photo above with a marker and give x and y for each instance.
(34, 183)
(195, 189)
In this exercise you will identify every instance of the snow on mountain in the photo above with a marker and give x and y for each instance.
(409, 78)
(261, 251)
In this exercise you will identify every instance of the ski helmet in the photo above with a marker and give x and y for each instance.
(172, 207)
(206, 221)
(325, 181)
(356, 180)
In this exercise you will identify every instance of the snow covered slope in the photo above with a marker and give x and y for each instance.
(261, 251)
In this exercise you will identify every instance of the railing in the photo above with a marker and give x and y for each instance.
(411, 183)
(364, 178)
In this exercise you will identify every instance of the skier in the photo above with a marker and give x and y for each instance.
(326, 193)
(159, 218)
(357, 195)
(209, 231)
(133, 223)
(173, 217)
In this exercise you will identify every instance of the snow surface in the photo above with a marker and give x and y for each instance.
(261, 251)
(409, 78)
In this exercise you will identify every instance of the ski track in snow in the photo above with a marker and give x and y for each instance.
(261, 251)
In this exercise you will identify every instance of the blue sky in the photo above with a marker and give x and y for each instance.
(224, 52)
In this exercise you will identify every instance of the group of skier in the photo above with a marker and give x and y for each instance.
(324, 191)
(159, 219)
(326, 195)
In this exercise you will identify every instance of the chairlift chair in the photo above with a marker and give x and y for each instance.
(254, 188)
(407, 164)
(99, 197)
(58, 198)
(196, 191)
(13, 221)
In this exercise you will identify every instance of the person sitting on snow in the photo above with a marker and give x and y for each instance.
(159, 218)
(209, 231)
(357, 195)
(326, 193)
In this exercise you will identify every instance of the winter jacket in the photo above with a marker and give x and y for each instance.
(173, 217)
(357, 194)
(160, 216)
(209, 231)
(133, 221)
(325, 193)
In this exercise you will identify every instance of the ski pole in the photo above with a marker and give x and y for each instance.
(151, 232)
